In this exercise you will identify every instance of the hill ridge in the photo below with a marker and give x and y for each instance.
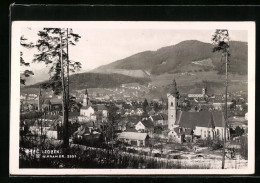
(175, 58)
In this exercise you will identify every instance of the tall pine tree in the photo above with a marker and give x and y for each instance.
(53, 46)
(220, 40)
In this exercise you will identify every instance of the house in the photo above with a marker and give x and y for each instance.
(152, 112)
(127, 112)
(145, 126)
(101, 108)
(160, 119)
(201, 95)
(132, 112)
(86, 132)
(180, 135)
(121, 126)
(139, 111)
(130, 126)
(87, 111)
(52, 132)
(134, 138)
(175, 135)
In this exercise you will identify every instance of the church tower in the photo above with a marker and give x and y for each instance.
(204, 89)
(85, 99)
(40, 100)
(172, 105)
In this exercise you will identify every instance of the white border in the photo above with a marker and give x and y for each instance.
(15, 95)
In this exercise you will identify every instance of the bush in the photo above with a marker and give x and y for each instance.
(244, 147)
(217, 144)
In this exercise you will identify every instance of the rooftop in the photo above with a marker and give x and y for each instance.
(133, 135)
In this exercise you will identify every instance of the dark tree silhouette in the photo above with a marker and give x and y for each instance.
(145, 105)
(53, 46)
(26, 73)
(220, 40)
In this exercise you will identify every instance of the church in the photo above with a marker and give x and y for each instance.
(203, 125)
(89, 112)
(48, 104)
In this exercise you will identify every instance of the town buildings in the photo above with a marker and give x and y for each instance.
(203, 124)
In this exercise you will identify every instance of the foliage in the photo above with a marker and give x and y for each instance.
(212, 143)
(236, 132)
(51, 51)
(26, 73)
(244, 147)
(51, 45)
(30, 115)
(156, 107)
(145, 105)
(220, 40)
(100, 158)
(217, 144)
(239, 131)
(99, 80)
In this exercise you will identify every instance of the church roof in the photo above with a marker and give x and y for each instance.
(218, 118)
(201, 119)
(86, 107)
(193, 119)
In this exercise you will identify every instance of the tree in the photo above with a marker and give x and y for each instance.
(233, 105)
(155, 142)
(156, 107)
(145, 105)
(72, 103)
(220, 40)
(26, 73)
(239, 131)
(53, 47)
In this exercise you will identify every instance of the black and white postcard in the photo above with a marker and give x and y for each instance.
(132, 98)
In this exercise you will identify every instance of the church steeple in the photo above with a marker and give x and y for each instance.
(204, 89)
(86, 92)
(86, 98)
(173, 90)
(172, 105)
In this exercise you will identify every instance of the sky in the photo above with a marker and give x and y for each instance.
(104, 42)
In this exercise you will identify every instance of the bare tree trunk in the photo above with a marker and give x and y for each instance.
(64, 103)
(225, 127)
(68, 69)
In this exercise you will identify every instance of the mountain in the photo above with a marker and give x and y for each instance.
(185, 56)
(98, 80)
